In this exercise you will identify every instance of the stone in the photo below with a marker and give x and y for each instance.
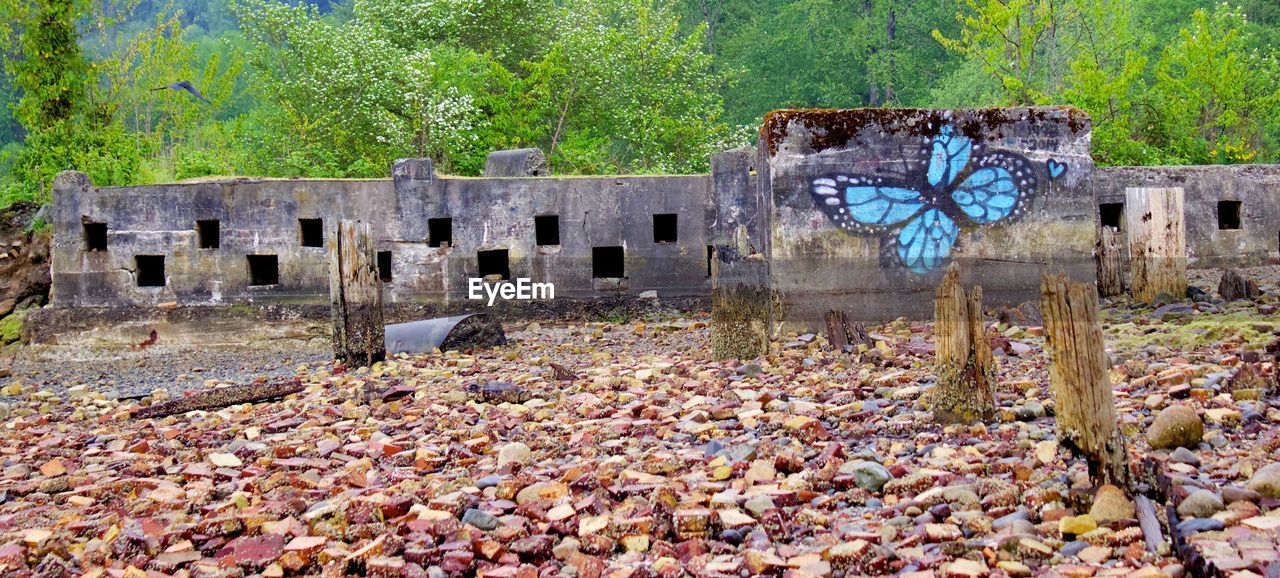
(1197, 525)
(1176, 426)
(480, 519)
(965, 568)
(1110, 504)
(514, 453)
(1266, 481)
(1077, 525)
(1183, 455)
(868, 475)
(1200, 504)
(225, 460)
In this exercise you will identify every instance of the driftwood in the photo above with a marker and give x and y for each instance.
(1086, 408)
(842, 335)
(1108, 254)
(1149, 523)
(1157, 242)
(966, 368)
(222, 397)
(1235, 286)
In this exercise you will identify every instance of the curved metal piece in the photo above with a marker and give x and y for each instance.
(429, 334)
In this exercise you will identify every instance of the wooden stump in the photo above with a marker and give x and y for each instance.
(355, 295)
(1085, 408)
(1157, 242)
(1235, 286)
(966, 369)
(843, 335)
(1108, 255)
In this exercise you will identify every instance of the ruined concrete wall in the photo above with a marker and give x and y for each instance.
(1214, 196)
(870, 205)
(261, 217)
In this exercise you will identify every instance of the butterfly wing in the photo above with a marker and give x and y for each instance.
(855, 202)
(926, 241)
(948, 155)
(996, 189)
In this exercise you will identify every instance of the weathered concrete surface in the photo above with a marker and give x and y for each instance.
(741, 293)
(1255, 187)
(817, 265)
(516, 163)
(261, 217)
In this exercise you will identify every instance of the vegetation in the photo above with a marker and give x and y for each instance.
(341, 88)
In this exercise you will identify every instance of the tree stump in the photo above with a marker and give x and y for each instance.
(1235, 286)
(1108, 255)
(1085, 408)
(355, 295)
(843, 335)
(966, 369)
(1157, 242)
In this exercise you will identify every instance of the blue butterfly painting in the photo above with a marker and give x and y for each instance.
(920, 213)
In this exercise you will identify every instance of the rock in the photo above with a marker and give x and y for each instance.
(1175, 426)
(1266, 481)
(1237, 494)
(488, 481)
(480, 519)
(514, 453)
(869, 475)
(225, 460)
(1077, 525)
(1197, 525)
(1183, 455)
(1111, 504)
(965, 568)
(1200, 504)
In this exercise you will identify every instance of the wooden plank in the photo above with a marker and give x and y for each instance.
(1109, 259)
(355, 293)
(1157, 242)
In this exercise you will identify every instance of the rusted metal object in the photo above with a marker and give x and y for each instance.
(444, 333)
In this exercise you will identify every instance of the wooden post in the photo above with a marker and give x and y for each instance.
(355, 295)
(1085, 408)
(966, 369)
(1107, 253)
(1157, 242)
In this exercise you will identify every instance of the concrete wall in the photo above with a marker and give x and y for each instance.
(865, 217)
(261, 217)
(1255, 187)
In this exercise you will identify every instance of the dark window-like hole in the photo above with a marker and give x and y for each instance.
(384, 266)
(312, 232)
(546, 229)
(440, 232)
(711, 254)
(1112, 214)
(493, 263)
(264, 269)
(1228, 214)
(208, 234)
(664, 228)
(150, 270)
(607, 262)
(95, 236)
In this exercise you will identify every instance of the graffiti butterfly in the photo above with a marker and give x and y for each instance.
(961, 182)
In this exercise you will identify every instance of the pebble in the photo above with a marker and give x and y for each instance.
(1183, 455)
(514, 453)
(480, 519)
(1200, 504)
(1176, 425)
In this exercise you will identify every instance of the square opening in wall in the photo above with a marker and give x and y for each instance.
(264, 269)
(664, 228)
(1228, 215)
(607, 262)
(149, 270)
(95, 236)
(493, 263)
(1112, 214)
(384, 266)
(312, 232)
(546, 229)
(440, 232)
(208, 234)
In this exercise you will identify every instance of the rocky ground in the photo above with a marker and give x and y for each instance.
(623, 450)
